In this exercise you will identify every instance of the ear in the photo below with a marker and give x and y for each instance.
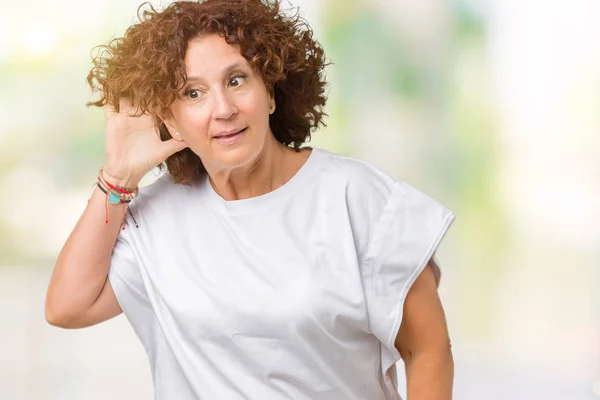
(271, 94)
(271, 104)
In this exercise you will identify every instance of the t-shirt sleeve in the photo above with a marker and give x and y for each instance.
(405, 238)
(127, 281)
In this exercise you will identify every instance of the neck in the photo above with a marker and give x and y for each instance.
(272, 168)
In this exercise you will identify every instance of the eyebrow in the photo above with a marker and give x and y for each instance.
(236, 65)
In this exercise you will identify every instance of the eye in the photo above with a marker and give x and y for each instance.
(193, 94)
(237, 80)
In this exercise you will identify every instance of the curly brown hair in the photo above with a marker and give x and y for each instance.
(147, 67)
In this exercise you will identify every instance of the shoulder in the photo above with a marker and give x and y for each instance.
(365, 187)
(358, 179)
(355, 187)
(354, 172)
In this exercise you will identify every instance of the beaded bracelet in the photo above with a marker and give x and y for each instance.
(124, 205)
(116, 195)
(121, 189)
(107, 192)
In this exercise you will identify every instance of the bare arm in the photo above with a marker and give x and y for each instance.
(423, 341)
(79, 293)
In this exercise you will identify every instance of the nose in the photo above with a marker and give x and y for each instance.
(224, 108)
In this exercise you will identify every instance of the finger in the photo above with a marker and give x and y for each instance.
(172, 146)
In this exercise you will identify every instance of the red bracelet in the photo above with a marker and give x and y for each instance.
(113, 187)
(113, 198)
(121, 189)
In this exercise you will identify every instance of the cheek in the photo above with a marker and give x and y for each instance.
(257, 108)
(193, 123)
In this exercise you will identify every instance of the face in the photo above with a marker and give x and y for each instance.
(222, 113)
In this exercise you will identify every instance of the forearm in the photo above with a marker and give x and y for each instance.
(429, 376)
(82, 266)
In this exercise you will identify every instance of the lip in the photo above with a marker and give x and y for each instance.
(231, 136)
(229, 132)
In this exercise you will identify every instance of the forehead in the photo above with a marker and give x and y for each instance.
(209, 56)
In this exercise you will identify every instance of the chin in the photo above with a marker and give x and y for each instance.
(235, 157)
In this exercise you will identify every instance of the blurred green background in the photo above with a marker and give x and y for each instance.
(492, 108)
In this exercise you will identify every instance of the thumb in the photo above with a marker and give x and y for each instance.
(172, 146)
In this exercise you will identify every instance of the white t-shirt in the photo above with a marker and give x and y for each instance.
(295, 294)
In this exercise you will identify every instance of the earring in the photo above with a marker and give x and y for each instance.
(177, 134)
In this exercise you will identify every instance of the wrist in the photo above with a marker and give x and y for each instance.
(118, 178)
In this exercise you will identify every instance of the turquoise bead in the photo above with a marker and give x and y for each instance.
(113, 199)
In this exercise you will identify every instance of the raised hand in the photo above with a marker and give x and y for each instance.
(133, 146)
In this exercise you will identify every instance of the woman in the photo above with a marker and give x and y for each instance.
(255, 268)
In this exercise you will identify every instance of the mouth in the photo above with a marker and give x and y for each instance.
(230, 138)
